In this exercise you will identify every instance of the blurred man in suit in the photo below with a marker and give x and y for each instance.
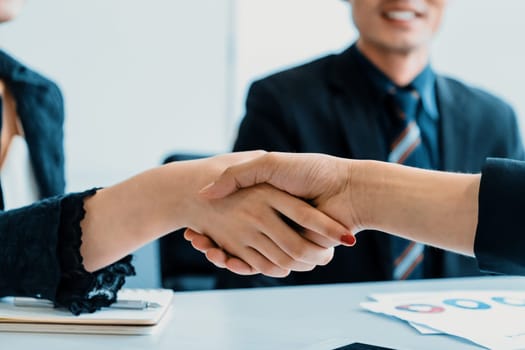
(379, 99)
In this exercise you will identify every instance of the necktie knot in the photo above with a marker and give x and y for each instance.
(404, 102)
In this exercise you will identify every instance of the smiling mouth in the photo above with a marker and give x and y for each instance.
(402, 15)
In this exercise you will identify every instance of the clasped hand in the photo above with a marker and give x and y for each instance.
(277, 185)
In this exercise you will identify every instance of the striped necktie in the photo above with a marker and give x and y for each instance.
(406, 148)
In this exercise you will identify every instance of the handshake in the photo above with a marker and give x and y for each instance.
(329, 200)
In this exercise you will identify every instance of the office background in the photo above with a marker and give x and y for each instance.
(144, 78)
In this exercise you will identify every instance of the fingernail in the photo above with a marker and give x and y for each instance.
(205, 189)
(348, 240)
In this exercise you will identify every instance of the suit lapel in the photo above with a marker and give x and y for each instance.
(454, 119)
(358, 113)
(453, 127)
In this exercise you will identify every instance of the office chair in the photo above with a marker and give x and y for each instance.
(182, 267)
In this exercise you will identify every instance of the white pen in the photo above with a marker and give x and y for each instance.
(119, 304)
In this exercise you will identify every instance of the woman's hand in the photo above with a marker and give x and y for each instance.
(319, 178)
(253, 224)
(249, 225)
(121, 218)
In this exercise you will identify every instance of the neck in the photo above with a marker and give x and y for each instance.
(401, 66)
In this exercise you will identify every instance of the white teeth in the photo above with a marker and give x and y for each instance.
(401, 15)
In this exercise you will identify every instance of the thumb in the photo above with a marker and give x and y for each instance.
(237, 177)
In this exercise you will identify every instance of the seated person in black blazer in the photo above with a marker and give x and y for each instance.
(352, 105)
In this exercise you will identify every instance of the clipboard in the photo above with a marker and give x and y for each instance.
(135, 321)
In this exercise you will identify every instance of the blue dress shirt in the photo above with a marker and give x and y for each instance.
(427, 114)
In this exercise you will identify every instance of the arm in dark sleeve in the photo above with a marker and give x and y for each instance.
(264, 125)
(500, 241)
(40, 256)
(28, 250)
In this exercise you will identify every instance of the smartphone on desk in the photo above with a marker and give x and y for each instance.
(362, 346)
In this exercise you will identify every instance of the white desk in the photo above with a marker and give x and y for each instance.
(314, 317)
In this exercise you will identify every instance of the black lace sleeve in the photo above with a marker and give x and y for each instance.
(79, 290)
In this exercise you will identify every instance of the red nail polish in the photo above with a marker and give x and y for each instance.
(348, 240)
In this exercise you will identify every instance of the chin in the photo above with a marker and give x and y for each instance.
(402, 45)
(5, 17)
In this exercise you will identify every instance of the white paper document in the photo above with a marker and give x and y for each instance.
(493, 319)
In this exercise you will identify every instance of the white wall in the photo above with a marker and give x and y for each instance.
(479, 42)
(482, 43)
(140, 79)
(271, 35)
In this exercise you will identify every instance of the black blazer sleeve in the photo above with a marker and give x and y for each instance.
(500, 243)
(28, 249)
(40, 256)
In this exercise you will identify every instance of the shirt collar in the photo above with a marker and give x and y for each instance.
(424, 82)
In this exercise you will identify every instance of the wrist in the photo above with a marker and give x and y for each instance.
(362, 190)
(177, 194)
(432, 207)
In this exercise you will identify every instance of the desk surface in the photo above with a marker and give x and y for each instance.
(312, 317)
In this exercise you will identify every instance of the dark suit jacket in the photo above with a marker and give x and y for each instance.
(40, 106)
(329, 106)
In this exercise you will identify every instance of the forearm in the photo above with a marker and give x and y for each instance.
(121, 218)
(436, 208)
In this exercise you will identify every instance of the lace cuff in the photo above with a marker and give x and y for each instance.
(81, 291)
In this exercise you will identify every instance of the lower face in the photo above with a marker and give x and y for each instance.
(397, 25)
